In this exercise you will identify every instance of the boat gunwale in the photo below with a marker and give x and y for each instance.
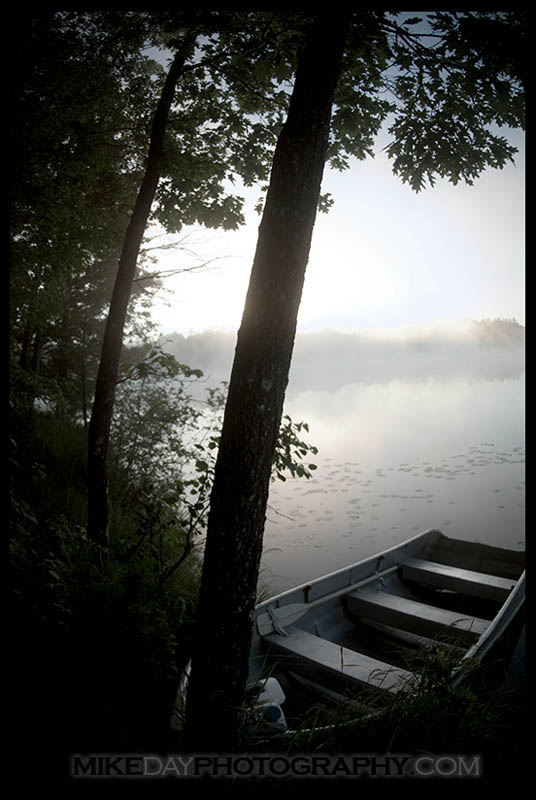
(499, 624)
(306, 588)
(429, 538)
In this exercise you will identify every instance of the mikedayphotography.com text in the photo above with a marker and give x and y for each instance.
(102, 766)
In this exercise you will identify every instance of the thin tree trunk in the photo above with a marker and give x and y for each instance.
(255, 400)
(101, 417)
(37, 351)
(27, 341)
(83, 388)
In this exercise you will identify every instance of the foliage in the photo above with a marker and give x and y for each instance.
(81, 105)
(458, 75)
(113, 633)
(153, 414)
(109, 635)
(290, 450)
(106, 643)
(166, 437)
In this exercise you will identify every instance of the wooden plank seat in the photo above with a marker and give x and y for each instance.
(463, 581)
(342, 663)
(410, 615)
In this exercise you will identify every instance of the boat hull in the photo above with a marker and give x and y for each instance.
(358, 628)
(361, 629)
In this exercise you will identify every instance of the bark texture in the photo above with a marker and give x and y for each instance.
(256, 394)
(101, 416)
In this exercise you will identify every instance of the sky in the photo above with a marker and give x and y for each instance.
(383, 259)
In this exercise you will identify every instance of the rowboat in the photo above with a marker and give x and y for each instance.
(359, 629)
(356, 630)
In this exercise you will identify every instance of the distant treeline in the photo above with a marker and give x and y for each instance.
(498, 332)
(484, 349)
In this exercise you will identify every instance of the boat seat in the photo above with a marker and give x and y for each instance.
(463, 581)
(342, 663)
(410, 615)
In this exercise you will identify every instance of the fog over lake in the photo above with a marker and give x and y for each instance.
(418, 431)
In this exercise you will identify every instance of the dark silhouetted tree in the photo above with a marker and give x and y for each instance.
(101, 417)
(256, 393)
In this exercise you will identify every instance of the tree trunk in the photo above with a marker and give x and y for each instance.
(101, 417)
(255, 400)
(83, 387)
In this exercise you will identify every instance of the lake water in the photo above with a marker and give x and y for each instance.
(397, 456)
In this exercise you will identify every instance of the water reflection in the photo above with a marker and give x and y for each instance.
(397, 458)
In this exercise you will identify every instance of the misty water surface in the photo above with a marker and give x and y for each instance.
(396, 458)
(423, 431)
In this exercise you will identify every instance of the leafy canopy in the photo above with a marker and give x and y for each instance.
(446, 85)
(456, 79)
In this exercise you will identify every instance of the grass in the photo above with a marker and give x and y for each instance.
(96, 648)
(482, 715)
